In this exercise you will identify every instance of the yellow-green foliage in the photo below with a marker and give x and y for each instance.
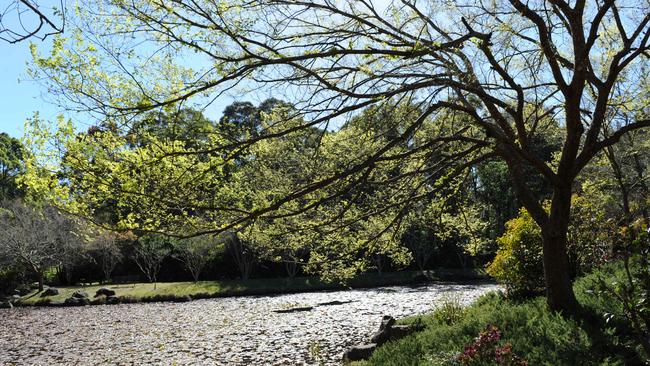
(518, 263)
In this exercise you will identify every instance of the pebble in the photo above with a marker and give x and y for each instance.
(223, 331)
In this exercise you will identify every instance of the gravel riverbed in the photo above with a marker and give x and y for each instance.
(223, 331)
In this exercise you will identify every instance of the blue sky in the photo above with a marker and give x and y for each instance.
(19, 97)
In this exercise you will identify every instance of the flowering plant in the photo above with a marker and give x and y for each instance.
(486, 350)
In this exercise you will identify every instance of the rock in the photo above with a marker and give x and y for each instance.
(388, 331)
(80, 294)
(23, 290)
(359, 352)
(112, 300)
(105, 292)
(293, 310)
(383, 334)
(77, 301)
(50, 291)
(401, 331)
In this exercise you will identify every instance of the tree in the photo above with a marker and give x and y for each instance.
(24, 19)
(37, 239)
(621, 171)
(107, 247)
(195, 253)
(242, 252)
(495, 73)
(186, 125)
(11, 165)
(149, 253)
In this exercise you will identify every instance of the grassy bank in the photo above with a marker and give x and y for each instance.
(170, 291)
(535, 335)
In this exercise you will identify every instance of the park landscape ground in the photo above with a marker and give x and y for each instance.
(247, 145)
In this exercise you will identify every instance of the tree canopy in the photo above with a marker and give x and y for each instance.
(483, 81)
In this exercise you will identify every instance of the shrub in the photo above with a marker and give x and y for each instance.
(449, 311)
(591, 235)
(486, 349)
(11, 277)
(518, 262)
(621, 294)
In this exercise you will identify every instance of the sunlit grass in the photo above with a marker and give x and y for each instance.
(146, 291)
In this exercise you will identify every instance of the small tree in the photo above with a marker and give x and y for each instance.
(149, 253)
(195, 253)
(108, 252)
(36, 239)
(241, 252)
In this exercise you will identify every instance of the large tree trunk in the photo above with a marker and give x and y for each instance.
(557, 271)
(554, 226)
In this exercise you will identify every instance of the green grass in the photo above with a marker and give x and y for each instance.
(536, 334)
(203, 289)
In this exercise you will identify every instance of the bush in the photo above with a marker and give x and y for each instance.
(591, 235)
(449, 311)
(621, 293)
(11, 277)
(487, 349)
(518, 263)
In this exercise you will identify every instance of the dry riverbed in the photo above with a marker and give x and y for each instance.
(221, 331)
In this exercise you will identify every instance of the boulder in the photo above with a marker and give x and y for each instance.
(359, 352)
(388, 331)
(50, 291)
(77, 301)
(104, 291)
(22, 290)
(383, 334)
(80, 294)
(401, 331)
